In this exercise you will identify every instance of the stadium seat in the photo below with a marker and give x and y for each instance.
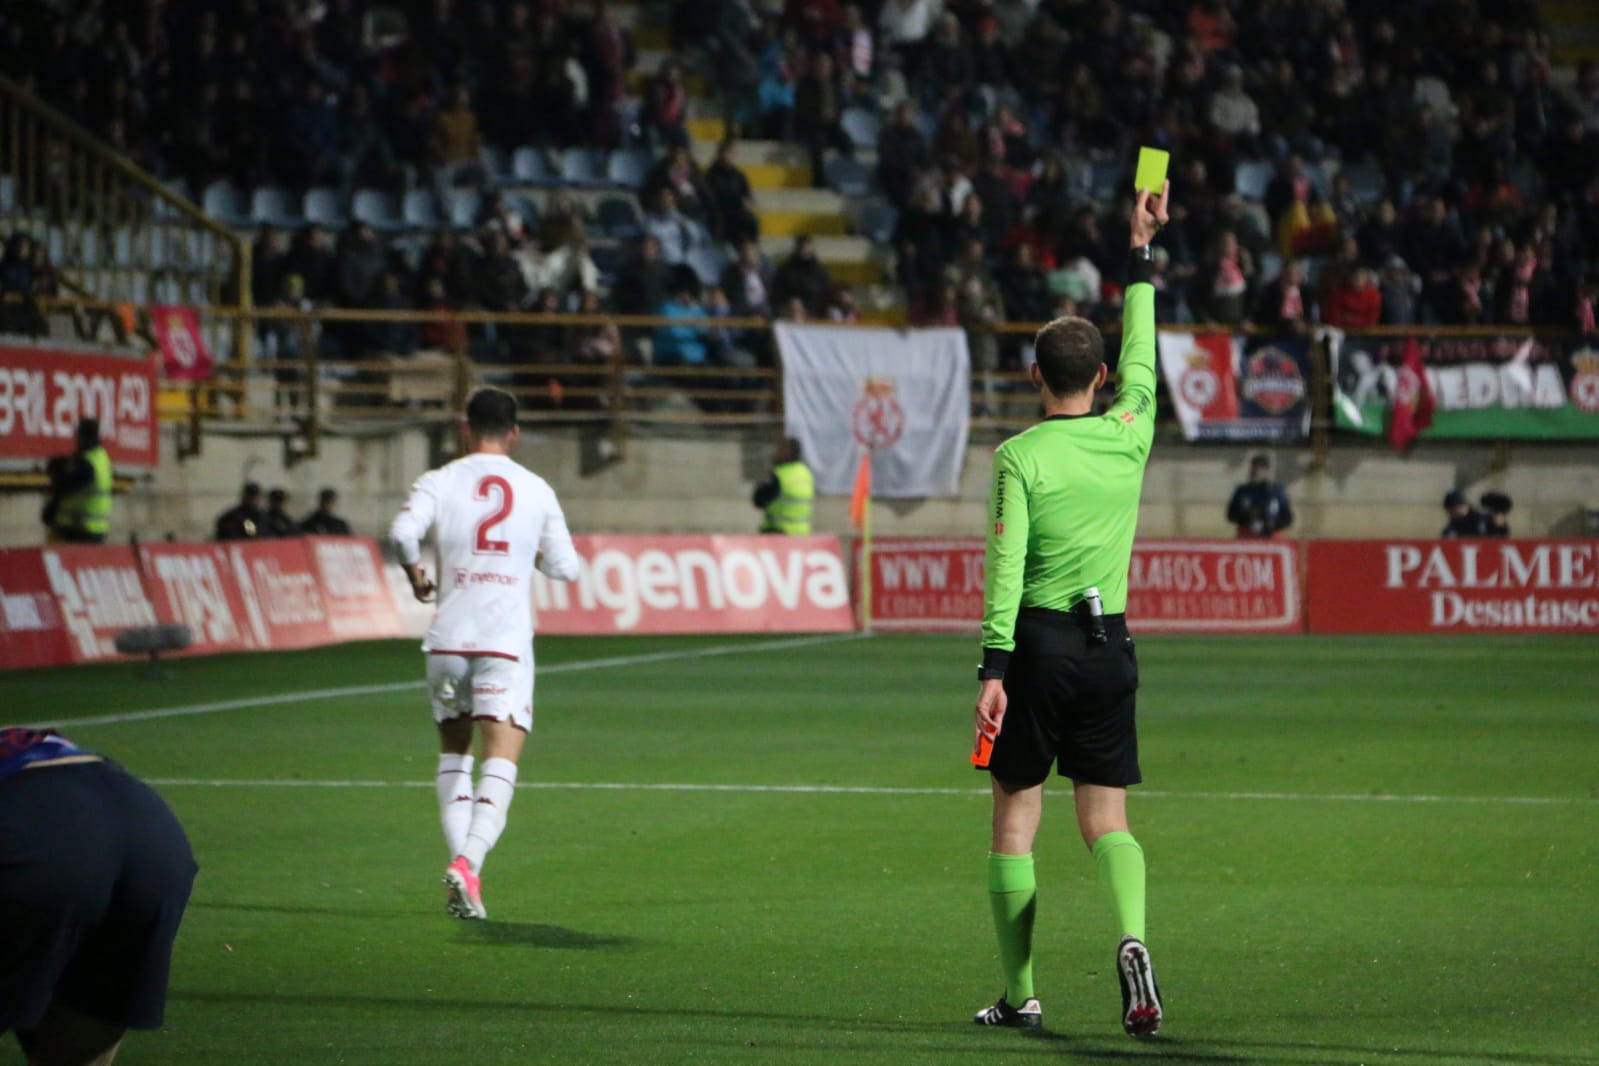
(582, 167)
(1250, 180)
(86, 249)
(1106, 181)
(1313, 268)
(1528, 182)
(847, 177)
(462, 206)
(495, 172)
(224, 202)
(1434, 91)
(420, 209)
(377, 209)
(607, 257)
(163, 209)
(123, 252)
(1271, 265)
(707, 262)
(530, 167)
(525, 206)
(876, 221)
(861, 127)
(322, 206)
(272, 205)
(1366, 181)
(627, 167)
(617, 216)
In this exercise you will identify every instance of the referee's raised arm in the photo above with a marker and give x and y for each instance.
(1135, 369)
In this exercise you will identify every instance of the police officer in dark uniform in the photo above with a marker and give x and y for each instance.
(1259, 507)
(324, 520)
(245, 520)
(279, 523)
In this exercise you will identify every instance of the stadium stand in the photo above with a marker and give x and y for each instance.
(1443, 155)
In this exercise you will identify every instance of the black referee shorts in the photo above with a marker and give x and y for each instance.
(94, 874)
(1071, 702)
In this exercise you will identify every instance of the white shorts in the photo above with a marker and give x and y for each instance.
(482, 686)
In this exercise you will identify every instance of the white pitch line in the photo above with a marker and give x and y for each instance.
(311, 695)
(870, 790)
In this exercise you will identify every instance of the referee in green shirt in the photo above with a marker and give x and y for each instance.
(1059, 674)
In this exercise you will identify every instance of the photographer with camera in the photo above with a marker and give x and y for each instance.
(1466, 521)
(1259, 507)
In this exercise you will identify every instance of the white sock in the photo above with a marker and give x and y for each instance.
(455, 799)
(495, 787)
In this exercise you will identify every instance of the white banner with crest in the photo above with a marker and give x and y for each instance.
(905, 394)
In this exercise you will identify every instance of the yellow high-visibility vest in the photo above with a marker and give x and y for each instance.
(796, 490)
(89, 509)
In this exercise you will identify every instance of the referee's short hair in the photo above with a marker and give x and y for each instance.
(491, 412)
(1070, 352)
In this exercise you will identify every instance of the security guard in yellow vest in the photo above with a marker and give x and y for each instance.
(787, 495)
(79, 510)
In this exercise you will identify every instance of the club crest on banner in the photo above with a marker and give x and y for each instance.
(1199, 385)
(878, 419)
(1584, 389)
(1273, 381)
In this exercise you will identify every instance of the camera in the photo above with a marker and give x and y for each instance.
(1496, 503)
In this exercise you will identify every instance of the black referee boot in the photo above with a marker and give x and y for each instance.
(1030, 1015)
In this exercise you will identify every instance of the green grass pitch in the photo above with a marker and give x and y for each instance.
(1361, 851)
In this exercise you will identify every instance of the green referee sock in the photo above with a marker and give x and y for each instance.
(1121, 870)
(1013, 895)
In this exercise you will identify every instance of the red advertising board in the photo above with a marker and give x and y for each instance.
(1454, 586)
(195, 585)
(32, 632)
(43, 393)
(284, 605)
(699, 584)
(1215, 586)
(67, 604)
(360, 604)
(1173, 586)
(923, 584)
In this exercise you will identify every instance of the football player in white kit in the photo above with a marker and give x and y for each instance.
(493, 522)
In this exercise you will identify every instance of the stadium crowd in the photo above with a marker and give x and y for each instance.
(1341, 161)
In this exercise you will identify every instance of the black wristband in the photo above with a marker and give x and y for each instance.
(995, 661)
(1141, 265)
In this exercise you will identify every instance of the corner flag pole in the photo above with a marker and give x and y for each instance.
(860, 517)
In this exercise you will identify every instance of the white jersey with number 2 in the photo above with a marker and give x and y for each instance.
(491, 518)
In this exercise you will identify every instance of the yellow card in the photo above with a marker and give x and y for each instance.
(1151, 175)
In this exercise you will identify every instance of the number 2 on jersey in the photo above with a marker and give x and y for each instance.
(485, 488)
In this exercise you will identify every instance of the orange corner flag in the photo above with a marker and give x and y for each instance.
(862, 494)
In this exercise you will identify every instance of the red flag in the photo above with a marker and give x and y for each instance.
(177, 330)
(1413, 401)
(862, 495)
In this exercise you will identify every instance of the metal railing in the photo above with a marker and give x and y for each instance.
(113, 232)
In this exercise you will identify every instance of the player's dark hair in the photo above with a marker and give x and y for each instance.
(1070, 352)
(491, 412)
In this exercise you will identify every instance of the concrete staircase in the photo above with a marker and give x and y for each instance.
(1573, 30)
(786, 202)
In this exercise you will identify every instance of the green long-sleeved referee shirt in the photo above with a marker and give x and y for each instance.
(1064, 500)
